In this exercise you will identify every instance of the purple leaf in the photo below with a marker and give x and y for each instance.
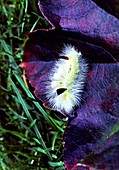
(106, 4)
(86, 18)
(45, 45)
(96, 116)
(106, 156)
(94, 30)
(40, 54)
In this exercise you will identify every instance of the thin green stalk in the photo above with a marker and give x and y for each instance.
(30, 118)
(48, 118)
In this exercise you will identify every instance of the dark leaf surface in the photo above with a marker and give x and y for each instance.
(43, 48)
(86, 18)
(45, 45)
(96, 116)
(103, 157)
(111, 6)
(93, 28)
(106, 156)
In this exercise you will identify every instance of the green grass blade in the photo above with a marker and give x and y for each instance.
(23, 103)
(115, 129)
(30, 95)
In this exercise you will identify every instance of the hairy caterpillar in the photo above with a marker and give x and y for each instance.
(66, 80)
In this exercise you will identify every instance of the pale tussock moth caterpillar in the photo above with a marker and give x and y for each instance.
(66, 81)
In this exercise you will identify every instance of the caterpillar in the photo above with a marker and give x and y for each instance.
(66, 81)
